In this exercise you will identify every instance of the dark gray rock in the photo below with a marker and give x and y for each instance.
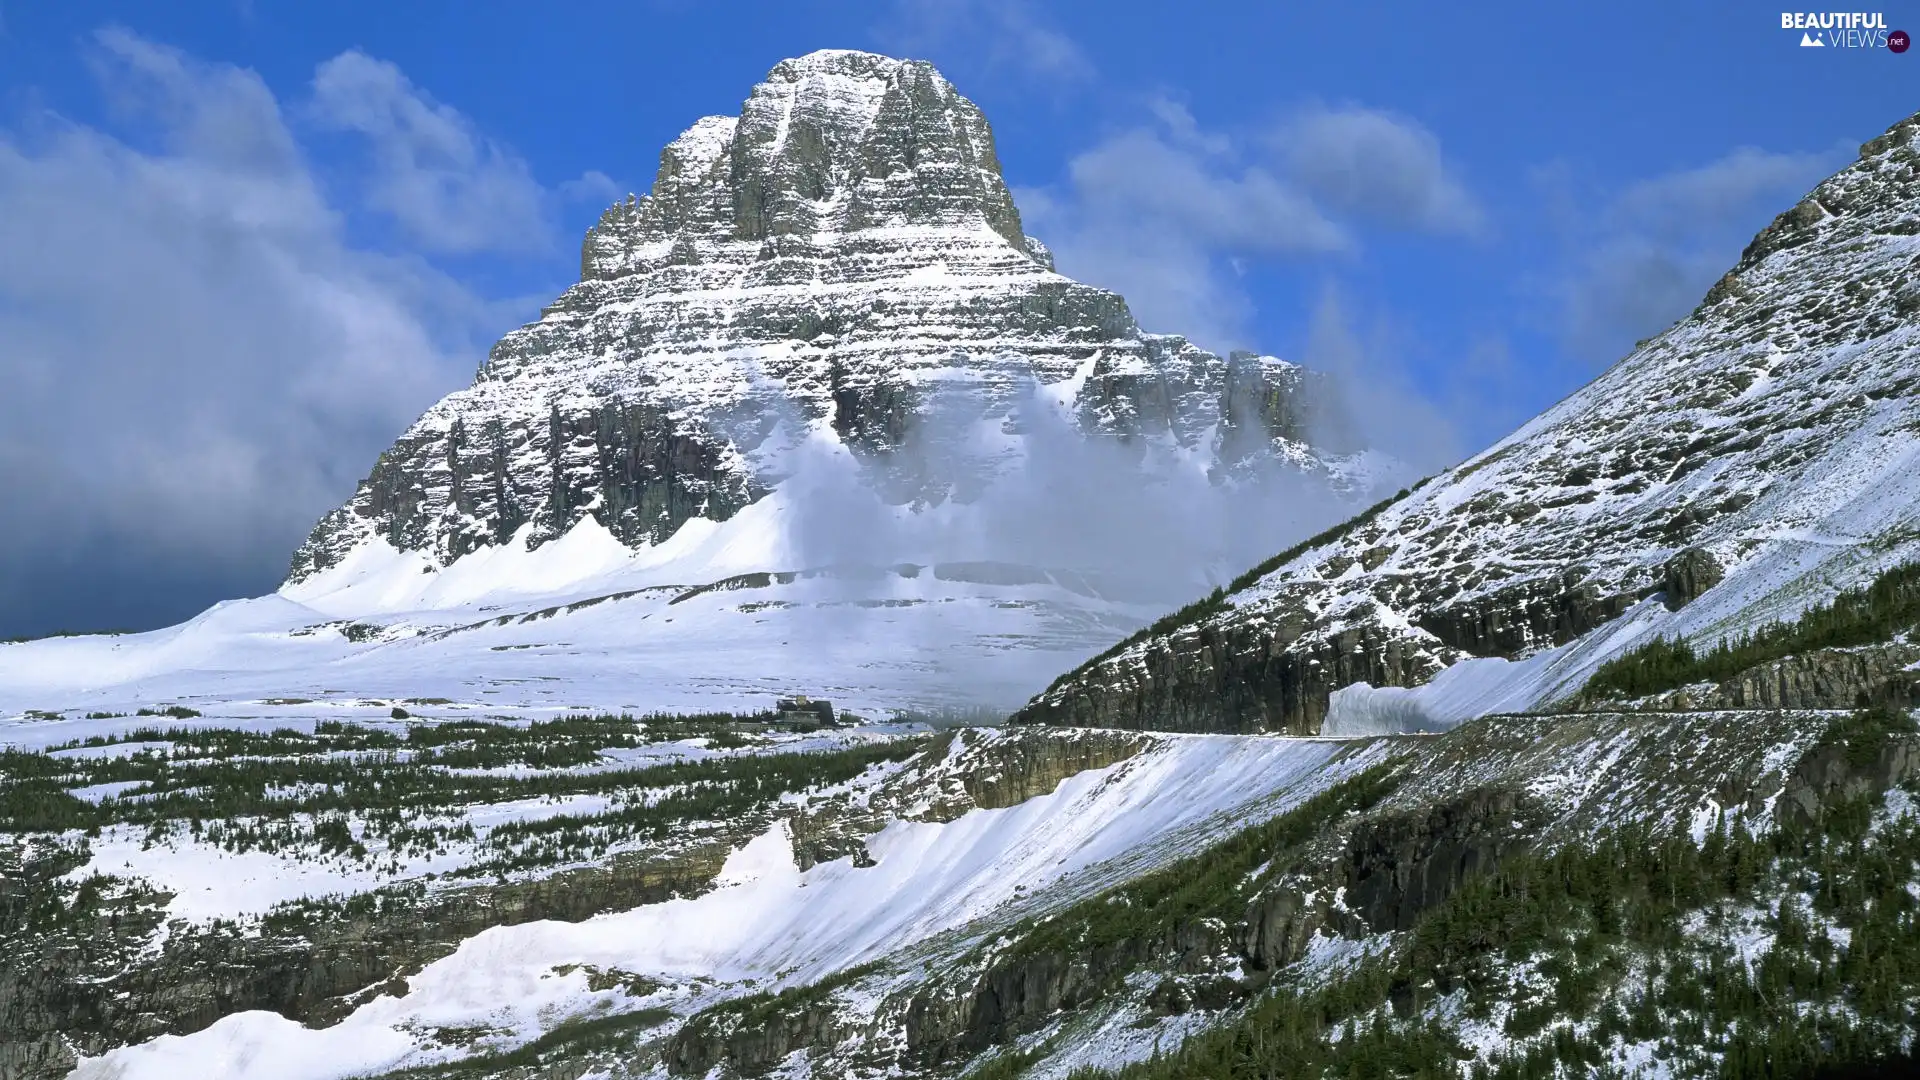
(1870, 675)
(1241, 677)
(1689, 574)
(1279, 927)
(1834, 772)
(749, 1045)
(998, 772)
(96, 987)
(1401, 866)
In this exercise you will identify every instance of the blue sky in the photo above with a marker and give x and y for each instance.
(247, 242)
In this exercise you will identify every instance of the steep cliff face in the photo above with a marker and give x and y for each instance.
(1758, 456)
(841, 258)
(1887, 675)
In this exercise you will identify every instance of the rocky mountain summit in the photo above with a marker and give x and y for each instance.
(841, 261)
(1757, 457)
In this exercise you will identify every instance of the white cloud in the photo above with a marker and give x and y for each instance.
(1210, 198)
(1646, 256)
(1170, 214)
(592, 186)
(1183, 129)
(448, 186)
(1006, 35)
(1373, 164)
(1160, 214)
(1709, 198)
(1383, 407)
(197, 363)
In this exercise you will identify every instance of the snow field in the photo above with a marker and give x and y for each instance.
(580, 625)
(771, 925)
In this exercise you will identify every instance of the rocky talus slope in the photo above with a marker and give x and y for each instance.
(842, 257)
(1756, 457)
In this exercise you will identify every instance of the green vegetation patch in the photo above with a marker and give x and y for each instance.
(22, 639)
(755, 1011)
(1888, 607)
(1215, 884)
(568, 1041)
(1565, 958)
(343, 787)
(1866, 734)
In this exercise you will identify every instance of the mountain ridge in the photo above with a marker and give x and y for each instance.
(820, 357)
(1709, 462)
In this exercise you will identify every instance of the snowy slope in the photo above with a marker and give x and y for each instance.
(771, 924)
(1755, 458)
(946, 906)
(585, 624)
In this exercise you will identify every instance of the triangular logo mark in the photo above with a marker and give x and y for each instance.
(1809, 41)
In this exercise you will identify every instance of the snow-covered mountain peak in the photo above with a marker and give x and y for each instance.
(837, 158)
(841, 262)
(817, 417)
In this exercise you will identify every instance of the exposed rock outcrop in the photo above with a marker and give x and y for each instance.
(91, 988)
(1837, 771)
(1821, 679)
(970, 769)
(749, 1043)
(1019, 993)
(1449, 811)
(1400, 866)
(1009, 771)
(1242, 677)
(1689, 574)
(1393, 867)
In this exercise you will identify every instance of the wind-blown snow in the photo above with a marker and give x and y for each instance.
(1486, 685)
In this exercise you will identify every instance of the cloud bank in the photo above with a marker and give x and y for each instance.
(1167, 212)
(1377, 166)
(449, 187)
(1643, 258)
(199, 358)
